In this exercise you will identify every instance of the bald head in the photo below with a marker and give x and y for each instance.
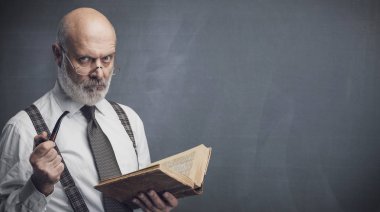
(85, 52)
(84, 24)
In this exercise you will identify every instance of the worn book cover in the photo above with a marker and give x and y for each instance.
(181, 174)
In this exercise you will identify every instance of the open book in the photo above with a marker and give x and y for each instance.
(181, 174)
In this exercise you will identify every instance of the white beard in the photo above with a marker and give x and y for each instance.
(84, 92)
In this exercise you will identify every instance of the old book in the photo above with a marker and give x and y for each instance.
(181, 174)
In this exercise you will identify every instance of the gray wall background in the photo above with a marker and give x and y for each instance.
(285, 91)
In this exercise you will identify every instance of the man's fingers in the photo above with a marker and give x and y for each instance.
(56, 161)
(157, 201)
(140, 204)
(151, 201)
(59, 169)
(43, 135)
(43, 148)
(170, 199)
(51, 155)
(38, 139)
(146, 201)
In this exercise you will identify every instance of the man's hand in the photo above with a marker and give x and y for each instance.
(152, 202)
(47, 165)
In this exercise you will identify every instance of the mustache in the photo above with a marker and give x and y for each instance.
(94, 82)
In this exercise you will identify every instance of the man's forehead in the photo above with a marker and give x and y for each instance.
(93, 49)
(91, 30)
(87, 29)
(95, 38)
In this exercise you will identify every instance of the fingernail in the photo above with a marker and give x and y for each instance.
(166, 195)
(134, 201)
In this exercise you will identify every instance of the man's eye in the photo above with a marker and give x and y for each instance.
(84, 60)
(107, 59)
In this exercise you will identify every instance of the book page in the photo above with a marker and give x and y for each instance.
(191, 163)
(182, 165)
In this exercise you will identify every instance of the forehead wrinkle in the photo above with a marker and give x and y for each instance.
(93, 51)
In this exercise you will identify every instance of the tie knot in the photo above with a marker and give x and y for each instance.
(88, 112)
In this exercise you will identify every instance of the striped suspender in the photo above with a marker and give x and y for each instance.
(127, 126)
(72, 192)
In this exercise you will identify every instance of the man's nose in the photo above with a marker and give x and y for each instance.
(98, 62)
(99, 68)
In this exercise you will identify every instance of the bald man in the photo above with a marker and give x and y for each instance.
(30, 172)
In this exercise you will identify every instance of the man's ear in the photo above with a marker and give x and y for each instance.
(58, 56)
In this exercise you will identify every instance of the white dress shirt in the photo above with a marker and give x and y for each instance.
(17, 192)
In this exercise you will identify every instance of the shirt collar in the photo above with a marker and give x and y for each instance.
(67, 104)
(101, 106)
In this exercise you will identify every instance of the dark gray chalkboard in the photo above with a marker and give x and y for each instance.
(286, 92)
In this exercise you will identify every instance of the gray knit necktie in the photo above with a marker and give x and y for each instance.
(104, 156)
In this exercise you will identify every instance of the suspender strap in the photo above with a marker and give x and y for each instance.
(67, 181)
(72, 192)
(37, 120)
(126, 124)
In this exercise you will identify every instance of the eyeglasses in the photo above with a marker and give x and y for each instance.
(87, 65)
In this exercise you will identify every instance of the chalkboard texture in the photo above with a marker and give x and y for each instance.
(286, 92)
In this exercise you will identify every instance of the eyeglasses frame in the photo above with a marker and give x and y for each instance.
(64, 52)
